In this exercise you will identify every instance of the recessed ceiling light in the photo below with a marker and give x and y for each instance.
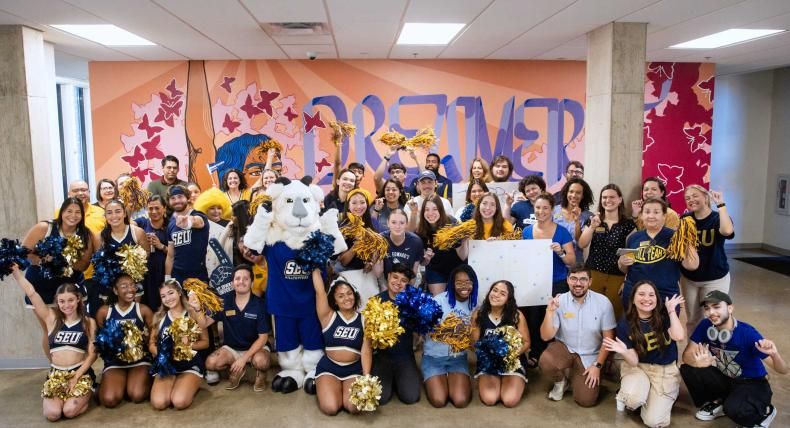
(726, 38)
(108, 35)
(428, 34)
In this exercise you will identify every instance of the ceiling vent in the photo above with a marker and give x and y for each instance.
(280, 29)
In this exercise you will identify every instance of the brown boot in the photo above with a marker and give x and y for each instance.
(235, 379)
(260, 381)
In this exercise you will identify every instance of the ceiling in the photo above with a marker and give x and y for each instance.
(497, 29)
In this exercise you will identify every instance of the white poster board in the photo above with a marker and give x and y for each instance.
(527, 264)
(499, 189)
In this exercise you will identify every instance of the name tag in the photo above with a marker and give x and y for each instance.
(230, 312)
(644, 243)
(250, 316)
(600, 229)
(569, 315)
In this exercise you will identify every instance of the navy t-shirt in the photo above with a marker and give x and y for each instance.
(712, 258)
(290, 290)
(405, 343)
(652, 262)
(738, 358)
(654, 354)
(241, 327)
(524, 213)
(189, 260)
(561, 236)
(408, 252)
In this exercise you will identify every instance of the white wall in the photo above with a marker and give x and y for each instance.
(777, 227)
(741, 140)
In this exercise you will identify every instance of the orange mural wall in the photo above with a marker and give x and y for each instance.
(220, 111)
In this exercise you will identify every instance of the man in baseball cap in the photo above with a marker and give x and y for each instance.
(426, 185)
(724, 367)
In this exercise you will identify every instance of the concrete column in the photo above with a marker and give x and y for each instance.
(615, 99)
(24, 126)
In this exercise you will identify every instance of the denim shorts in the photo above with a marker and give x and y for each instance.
(435, 366)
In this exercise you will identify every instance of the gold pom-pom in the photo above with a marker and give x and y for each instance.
(515, 235)
(133, 195)
(425, 138)
(369, 246)
(72, 252)
(259, 199)
(685, 237)
(209, 301)
(514, 342)
(132, 341)
(133, 261)
(382, 323)
(448, 236)
(341, 130)
(393, 138)
(365, 393)
(455, 331)
(185, 333)
(271, 143)
(57, 385)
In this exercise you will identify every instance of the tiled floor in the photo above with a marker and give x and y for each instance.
(762, 298)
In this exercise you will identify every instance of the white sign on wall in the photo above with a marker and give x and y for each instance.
(527, 264)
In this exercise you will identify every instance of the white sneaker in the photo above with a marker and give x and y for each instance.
(558, 391)
(212, 377)
(768, 419)
(710, 411)
(620, 406)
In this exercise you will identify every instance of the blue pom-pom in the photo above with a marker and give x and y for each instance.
(466, 214)
(491, 351)
(12, 253)
(106, 268)
(315, 253)
(109, 340)
(163, 365)
(418, 311)
(50, 250)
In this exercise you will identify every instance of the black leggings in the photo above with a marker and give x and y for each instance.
(746, 401)
(400, 373)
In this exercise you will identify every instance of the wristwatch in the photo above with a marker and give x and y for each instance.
(598, 365)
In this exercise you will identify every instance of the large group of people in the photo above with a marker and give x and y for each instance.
(617, 298)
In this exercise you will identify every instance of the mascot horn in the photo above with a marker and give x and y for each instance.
(279, 232)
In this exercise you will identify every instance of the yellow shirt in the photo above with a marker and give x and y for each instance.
(259, 278)
(487, 229)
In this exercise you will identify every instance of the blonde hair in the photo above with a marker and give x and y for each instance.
(700, 189)
(162, 312)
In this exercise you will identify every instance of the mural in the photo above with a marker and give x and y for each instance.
(678, 126)
(212, 111)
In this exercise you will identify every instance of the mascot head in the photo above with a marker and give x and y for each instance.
(295, 207)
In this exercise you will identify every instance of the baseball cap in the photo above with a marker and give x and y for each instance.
(716, 296)
(426, 174)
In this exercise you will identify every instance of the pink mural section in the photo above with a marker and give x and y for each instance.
(678, 126)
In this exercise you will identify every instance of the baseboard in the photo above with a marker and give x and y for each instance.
(23, 363)
(743, 246)
(777, 250)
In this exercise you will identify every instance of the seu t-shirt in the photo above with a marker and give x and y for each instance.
(712, 258)
(654, 353)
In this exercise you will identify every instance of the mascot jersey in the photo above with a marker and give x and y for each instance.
(290, 290)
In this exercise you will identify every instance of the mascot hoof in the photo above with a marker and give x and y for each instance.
(288, 385)
(277, 384)
(309, 386)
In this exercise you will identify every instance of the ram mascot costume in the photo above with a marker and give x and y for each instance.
(279, 232)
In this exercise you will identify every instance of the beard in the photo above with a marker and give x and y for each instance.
(723, 318)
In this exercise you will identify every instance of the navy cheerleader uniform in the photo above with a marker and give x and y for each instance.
(346, 335)
(69, 338)
(196, 365)
(46, 287)
(487, 327)
(130, 239)
(133, 315)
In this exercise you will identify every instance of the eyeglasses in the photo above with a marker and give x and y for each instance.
(575, 279)
(576, 172)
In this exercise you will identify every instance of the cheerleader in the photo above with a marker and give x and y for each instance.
(120, 378)
(497, 310)
(69, 222)
(119, 231)
(180, 389)
(348, 353)
(70, 383)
